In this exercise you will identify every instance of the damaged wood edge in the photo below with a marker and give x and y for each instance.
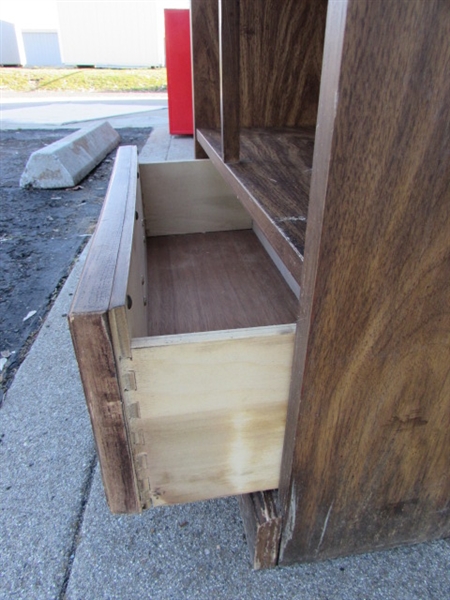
(132, 413)
(92, 335)
(94, 352)
(121, 321)
(262, 525)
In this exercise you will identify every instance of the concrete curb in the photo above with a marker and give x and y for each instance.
(65, 162)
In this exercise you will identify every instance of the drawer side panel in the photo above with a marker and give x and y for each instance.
(189, 197)
(211, 415)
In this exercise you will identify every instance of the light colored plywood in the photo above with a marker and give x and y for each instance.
(189, 197)
(210, 412)
(136, 300)
(212, 336)
(128, 303)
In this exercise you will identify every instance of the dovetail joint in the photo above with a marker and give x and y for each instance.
(134, 411)
(143, 481)
(137, 438)
(141, 462)
(129, 381)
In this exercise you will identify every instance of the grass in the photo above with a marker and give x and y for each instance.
(83, 80)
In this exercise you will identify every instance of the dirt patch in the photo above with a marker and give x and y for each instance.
(41, 233)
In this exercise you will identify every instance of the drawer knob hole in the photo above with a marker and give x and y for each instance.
(129, 302)
(136, 215)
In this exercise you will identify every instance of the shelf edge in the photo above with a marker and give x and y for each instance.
(287, 252)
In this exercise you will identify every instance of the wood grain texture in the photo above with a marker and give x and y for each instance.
(205, 60)
(366, 464)
(205, 282)
(94, 294)
(277, 80)
(272, 180)
(229, 55)
(189, 197)
(95, 356)
(91, 335)
(127, 313)
(127, 308)
(212, 411)
(262, 523)
(276, 260)
(281, 58)
(136, 300)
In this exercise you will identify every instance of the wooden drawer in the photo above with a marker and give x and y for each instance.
(183, 329)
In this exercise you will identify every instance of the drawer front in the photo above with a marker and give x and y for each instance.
(89, 322)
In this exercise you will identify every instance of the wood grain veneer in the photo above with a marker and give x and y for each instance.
(272, 180)
(229, 41)
(206, 72)
(214, 281)
(281, 50)
(367, 445)
(271, 70)
(90, 327)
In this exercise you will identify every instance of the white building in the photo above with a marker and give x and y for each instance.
(29, 33)
(101, 33)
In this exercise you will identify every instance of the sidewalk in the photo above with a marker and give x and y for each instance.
(40, 110)
(58, 539)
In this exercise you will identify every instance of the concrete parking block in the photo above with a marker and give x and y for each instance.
(64, 163)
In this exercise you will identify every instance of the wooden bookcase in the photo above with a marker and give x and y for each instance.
(330, 122)
(257, 123)
(274, 322)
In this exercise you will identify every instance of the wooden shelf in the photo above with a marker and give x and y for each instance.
(272, 180)
(214, 281)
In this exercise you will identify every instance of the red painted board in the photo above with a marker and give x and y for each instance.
(179, 71)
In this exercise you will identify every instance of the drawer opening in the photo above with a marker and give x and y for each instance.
(207, 269)
(213, 281)
(202, 327)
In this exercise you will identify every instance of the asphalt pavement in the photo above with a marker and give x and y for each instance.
(58, 539)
